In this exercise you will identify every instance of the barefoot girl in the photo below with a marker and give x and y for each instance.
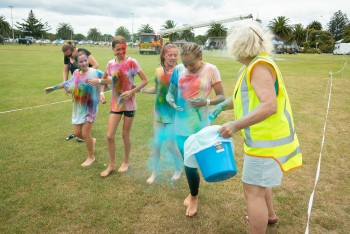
(164, 113)
(121, 72)
(85, 102)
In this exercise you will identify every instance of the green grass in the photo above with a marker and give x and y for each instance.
(44, 189)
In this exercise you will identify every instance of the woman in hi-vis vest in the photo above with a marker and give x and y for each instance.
(264, 117)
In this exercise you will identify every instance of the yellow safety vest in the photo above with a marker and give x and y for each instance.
(274, 137)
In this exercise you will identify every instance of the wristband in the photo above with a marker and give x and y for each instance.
(141, 91)
(102, 93)
(99, 81)
(208, 102)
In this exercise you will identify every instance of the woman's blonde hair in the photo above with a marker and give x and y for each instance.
(248, 39)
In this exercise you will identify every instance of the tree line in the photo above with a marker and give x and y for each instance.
(313, 36)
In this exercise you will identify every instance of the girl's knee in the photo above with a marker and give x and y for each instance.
(110, 137)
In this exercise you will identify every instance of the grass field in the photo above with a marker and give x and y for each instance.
(43, 189)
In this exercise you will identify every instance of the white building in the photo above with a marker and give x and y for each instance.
(341, 48)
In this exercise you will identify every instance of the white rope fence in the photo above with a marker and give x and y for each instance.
(330, 80)
(33, 107)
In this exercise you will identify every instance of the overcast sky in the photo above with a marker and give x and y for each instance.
(108, 15)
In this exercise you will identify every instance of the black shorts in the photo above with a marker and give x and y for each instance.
(126, 113)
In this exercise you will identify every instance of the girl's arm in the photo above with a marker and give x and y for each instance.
(105, 79)
(52, 88)
(170, 97)
(149, 90)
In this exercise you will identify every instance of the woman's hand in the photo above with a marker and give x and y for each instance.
(228, 129)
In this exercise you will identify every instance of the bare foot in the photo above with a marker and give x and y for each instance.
(88, 162)
(192, 207)
(187, 200)
(124, 167)
(177, 175)
(107, 171)
(151, 179)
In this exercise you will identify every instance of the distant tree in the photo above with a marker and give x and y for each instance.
(107, 37)
(5, 29)
(280, 27)
(337, 24)
(169, 24)
(298, 34)
(123, 31)
(217, 30)
(65, 31)
(145, 28)
(187, 35)
(79, 37)
(321, 40)
(200, 39)
(33, 26)
(346, 35)
(315, 25)
(94, 34)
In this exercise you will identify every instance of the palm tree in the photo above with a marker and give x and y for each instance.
(315, 25)
(168, 25)
(145, 28)
(65, 31)
(217, 30)
(187, 35)
(298, 34)
(279, 26)
(94, 34)
(123, 31)
(5, 28)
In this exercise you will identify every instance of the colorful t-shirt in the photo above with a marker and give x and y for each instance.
(190, 87)
(123, 79)
(85, 96)
(163, 112)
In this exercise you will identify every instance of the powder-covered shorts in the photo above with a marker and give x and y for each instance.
(264, 172)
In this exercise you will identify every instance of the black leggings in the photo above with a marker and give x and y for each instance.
(192, 174)
(193, 180)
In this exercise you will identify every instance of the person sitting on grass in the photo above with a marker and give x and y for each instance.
(85, 102)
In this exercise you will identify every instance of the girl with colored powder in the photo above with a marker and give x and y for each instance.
(85, 102)
(120, 72)
(164, 114)
(189, 94)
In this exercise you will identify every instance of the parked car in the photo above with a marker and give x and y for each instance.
(292, 51)
(25, 41)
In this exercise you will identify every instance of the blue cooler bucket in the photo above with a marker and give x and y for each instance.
(217, 162)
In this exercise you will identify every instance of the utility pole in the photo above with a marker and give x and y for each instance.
(13, 34)
(132, 31)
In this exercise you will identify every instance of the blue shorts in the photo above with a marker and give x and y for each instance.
(264, 172)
